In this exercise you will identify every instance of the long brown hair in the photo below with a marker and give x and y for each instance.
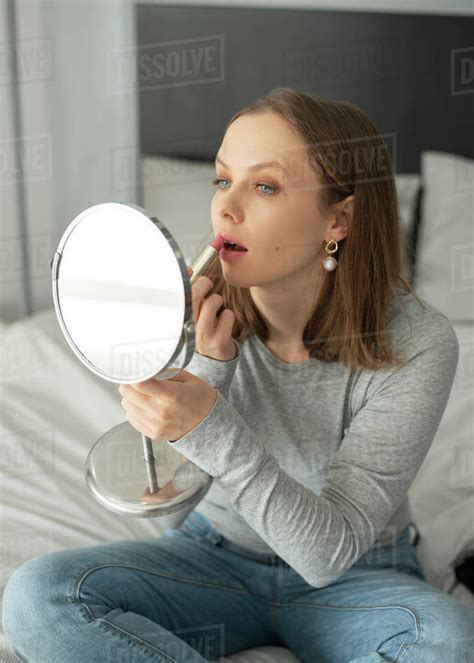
(349, 156)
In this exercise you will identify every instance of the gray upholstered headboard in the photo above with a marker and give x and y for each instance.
(198, 65)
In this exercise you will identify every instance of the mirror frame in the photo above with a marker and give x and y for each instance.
(187, 337)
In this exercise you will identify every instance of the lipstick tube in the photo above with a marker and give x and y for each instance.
(206, 257)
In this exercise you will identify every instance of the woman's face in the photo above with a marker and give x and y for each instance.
(272, 213)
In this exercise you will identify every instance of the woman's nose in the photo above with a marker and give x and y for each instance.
(229, 211)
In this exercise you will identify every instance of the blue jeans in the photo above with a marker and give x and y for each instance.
(190, 596)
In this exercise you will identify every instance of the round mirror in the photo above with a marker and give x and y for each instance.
(122, 295)
(120, 290)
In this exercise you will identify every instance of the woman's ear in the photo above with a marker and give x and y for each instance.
(340, 228)
(347, 206)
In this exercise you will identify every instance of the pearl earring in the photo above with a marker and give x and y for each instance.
(329, 262)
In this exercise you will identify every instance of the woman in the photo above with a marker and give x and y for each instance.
(317, 387)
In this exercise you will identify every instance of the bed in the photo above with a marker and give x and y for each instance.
(54, 409)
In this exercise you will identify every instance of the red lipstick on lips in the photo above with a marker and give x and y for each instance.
(232, 249)
(228, 239)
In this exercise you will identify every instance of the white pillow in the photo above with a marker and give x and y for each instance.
(444, 273)
(179, 193)
(407, 190)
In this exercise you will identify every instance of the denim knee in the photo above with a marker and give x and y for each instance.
(456, 625)
(28, 604)
(446, 630)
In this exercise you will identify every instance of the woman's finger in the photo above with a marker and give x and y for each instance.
(214, 337)
(200, 289)
(213, 331)
(140, 402)
(139, 425)
(225, 323)
(208, 313)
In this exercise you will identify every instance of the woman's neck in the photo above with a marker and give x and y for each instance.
(286, 313)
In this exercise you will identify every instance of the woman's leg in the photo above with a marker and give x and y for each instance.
(382, 609)
(179, 598)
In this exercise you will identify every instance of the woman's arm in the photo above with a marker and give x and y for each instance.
(322, 536)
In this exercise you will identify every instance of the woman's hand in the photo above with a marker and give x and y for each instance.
(213, 334)
(167, 492)
(168, 408)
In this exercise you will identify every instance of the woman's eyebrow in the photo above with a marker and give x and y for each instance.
(257, 166)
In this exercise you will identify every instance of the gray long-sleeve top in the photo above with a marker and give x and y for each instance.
(312, 460)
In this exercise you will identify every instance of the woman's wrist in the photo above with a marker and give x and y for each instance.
(230, 355)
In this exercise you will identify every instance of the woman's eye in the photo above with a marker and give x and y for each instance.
(217, 182)
(273, 190)
(268, 187)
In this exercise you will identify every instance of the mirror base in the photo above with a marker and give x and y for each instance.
(116, 475)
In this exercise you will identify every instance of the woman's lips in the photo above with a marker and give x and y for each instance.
(224, 253)
(218, 243)
(228, 239)
(229, 255)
